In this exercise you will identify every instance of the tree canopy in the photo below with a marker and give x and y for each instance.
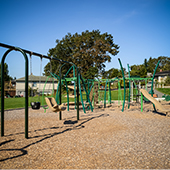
(6, 72)
(141, 70)
(149, 66)
(112, 73)
(89, 51)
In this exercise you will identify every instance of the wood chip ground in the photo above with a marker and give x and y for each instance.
(103, 139)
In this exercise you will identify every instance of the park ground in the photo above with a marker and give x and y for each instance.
(104, 139)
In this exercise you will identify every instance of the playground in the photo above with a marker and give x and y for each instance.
(106, 138)
(86, 124)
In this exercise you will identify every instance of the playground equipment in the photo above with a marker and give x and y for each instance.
(35, 105)
(79, 86)
(156, 103)
(25, 52)
(53, 105)
(101, 92)
(78, 83)
(167, 97)
(132, 80)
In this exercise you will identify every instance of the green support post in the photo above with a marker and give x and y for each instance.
(152, 82)
(26, 90)
(98, 91)
(124, 85)
(141, 102)
(74, 75)
(67, 95)
(129, 87)
(78, 95)
(109, 94)
(105, 94)
(60, 113)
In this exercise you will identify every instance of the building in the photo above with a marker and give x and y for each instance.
(10, 88)
(161, 76)
(37, 83)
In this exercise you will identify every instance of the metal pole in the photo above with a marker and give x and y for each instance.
(124, 85)
(109, 94)
(129, 87)
(105, 94)
(60, 114)
(26, 89)
(141, 102)
(152, 82)
(77, 95)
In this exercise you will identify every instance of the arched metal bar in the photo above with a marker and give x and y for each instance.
(26, 89)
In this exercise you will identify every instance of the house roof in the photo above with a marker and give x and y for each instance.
(36, 78)
(163, 73)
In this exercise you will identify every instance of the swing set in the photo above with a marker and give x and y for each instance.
(34, 105)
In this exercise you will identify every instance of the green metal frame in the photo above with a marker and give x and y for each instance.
(23, 51)
(123, 106)
(77, 78)
(26, 89)
(133, 79)
(152, 82)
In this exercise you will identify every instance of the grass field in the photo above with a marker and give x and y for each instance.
(15, 103)
(164, 90)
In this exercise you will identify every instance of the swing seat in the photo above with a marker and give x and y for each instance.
(53, 105)
(35, 105)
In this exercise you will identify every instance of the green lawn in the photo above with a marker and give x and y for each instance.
(15, 103)
(164, 90)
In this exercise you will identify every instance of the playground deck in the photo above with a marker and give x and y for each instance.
(104, 139)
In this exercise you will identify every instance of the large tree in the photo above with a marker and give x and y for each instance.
(88, 51)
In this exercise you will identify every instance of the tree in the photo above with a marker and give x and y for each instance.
(164, 64)
(150, 65)
(146, 64)
(86, 50)
(112, 73)
(138, 70)
(167, 81)
(91, 73)
(6, 73)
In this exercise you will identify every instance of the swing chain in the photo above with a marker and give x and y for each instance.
(31, 74)
(40, 76)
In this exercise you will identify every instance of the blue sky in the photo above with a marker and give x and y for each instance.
(140, 27)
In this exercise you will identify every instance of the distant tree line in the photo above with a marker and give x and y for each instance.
(141, 70)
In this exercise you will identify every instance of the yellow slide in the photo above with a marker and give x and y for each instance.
(158, 105)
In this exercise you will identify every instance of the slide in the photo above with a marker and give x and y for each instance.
(155, 102)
